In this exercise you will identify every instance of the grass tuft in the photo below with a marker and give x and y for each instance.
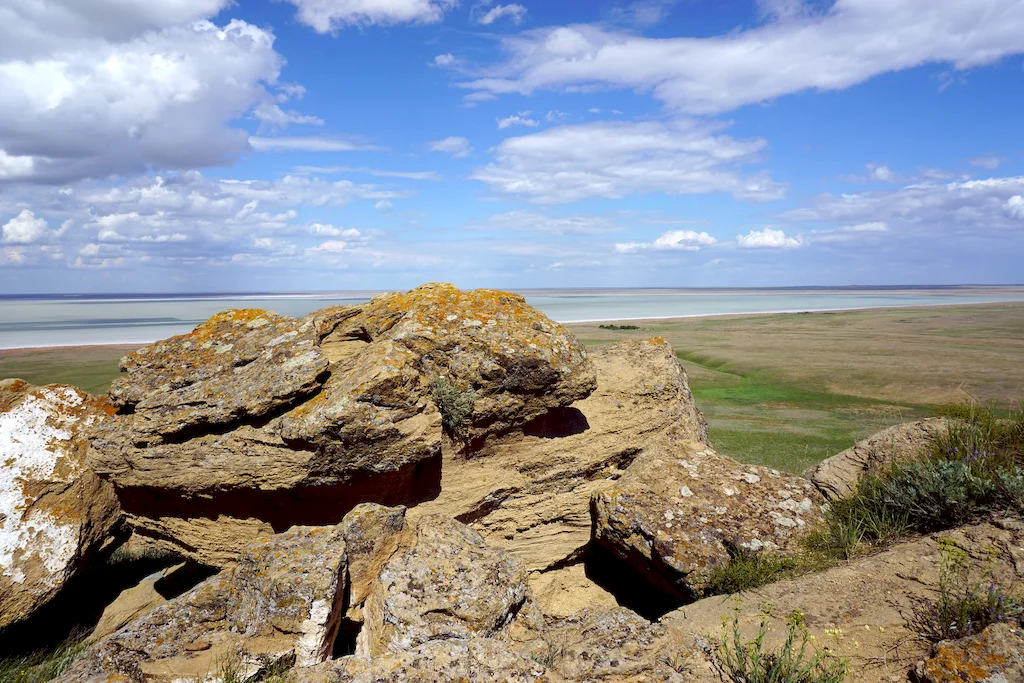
(796, 662)
(42, 666)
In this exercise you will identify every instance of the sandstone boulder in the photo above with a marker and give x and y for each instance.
(284, 597)
(994, 656)
(838, 476)
(675, 515)
(448, 585)
(255, 421)
(55, 513)
(529, 491)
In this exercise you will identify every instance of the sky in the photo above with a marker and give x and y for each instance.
(324, 145)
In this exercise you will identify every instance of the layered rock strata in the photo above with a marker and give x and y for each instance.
(255, 421)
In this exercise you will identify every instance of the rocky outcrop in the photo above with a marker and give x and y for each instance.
(283, 598)
(529, 492)
(54, 513)
(675, 515)
(255, 421)
(448, 585)
(994, 655)
(838, 476)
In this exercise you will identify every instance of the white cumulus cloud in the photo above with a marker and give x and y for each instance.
(1015, 206)
(327, 16)
(24, 228)
(674, 240)
(520, 119)
(769, 238)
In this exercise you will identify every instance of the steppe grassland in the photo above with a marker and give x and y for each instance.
(785, 390)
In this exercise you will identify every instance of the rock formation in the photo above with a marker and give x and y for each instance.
(284, 598)
(255, 421)
(54, 513)
(674, 516)
(529, 492)
(838, 476)
(448, 585)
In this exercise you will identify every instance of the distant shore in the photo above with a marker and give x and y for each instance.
(105, 349)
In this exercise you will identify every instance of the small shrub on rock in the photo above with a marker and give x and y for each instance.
(965, 605)
(796, 662)
(456, 406)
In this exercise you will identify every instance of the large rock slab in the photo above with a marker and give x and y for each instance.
(448, 585)
(255, 421)
(838, 476)
(54, 512)
(529, 492)
(673, 516)
(285, 596)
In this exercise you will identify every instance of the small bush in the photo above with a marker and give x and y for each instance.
(456, 406)
(964, 605)
(618, 327)
(739, 662)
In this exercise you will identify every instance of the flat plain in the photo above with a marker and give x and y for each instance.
(788, 390)
(784, 390)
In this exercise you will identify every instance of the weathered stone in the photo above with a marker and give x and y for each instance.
(132, 603)
(256, 420)
(54, 512)
(838, 476)
(284, 596)
(995, 655)
(373, 534)
(673, 516)
(529, 492)
(475, 660)
(448, 585)
(612, 645)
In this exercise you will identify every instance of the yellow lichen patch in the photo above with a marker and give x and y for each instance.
(952, 664)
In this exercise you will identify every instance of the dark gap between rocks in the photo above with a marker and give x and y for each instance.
(78, 607)
(630, 588)
(303, 505)
(557, 423)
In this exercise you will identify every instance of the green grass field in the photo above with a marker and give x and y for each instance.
(789, 390)
(92, 368)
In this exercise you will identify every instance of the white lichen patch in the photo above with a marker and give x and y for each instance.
(35, 436)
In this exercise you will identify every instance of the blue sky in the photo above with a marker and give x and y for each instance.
(209, 145)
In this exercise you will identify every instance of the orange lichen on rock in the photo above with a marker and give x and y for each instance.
(995, 654)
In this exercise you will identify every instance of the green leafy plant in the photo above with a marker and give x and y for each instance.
(795, 662)
(456, 406)
(965, 605)
(44, 665)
